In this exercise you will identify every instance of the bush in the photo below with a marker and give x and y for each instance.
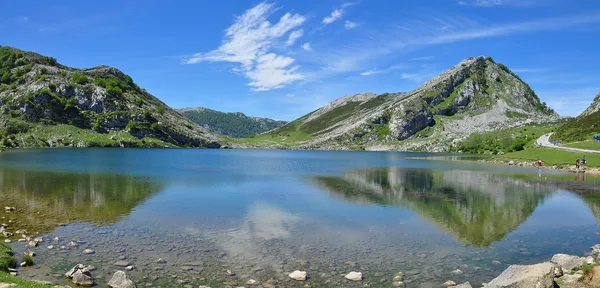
(7, 259)
(139, 102)
(161, 109)
(154, 126)
(131, 125)
(114, 91)
(52, 87)
(79, 78)
(28, 259)
(43, 70)
(63, 73)
(99, 81)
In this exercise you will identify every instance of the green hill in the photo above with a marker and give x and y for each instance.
(583, 127)
(236, 125)
(46, 104)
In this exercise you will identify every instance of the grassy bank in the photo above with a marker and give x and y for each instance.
(551, 157)
(505, 140)
(7, 260)
(590, 145)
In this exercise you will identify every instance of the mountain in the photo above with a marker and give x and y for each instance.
(46, 104)
(236, 125)
(583, 127)
(477, 95)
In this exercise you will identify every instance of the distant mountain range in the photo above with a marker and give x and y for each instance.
(476, 95)
(235, 124)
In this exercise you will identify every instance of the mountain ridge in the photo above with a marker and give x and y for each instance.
(476, 95)
(232, 124)
(582, 127)
(46, 104)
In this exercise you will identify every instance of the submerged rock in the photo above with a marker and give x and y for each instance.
(527, 276)
(120, 280)
(80, 275)
(354, 276)
(450, 283)
(463, 285)
(298, 275)
(568, 262)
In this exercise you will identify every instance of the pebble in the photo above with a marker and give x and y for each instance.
(129, 268)
(457, 272)
(121, 264)
(161, 261)
(7, 241)
(354, 276)
(251, 282)
(88, 251)
(449, 283)
(496, 262)
(298, 275)
(50, 247)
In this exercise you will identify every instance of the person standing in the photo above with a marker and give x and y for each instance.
(539, 163)
(584, 160)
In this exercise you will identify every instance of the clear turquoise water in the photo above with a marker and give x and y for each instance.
(264, 214)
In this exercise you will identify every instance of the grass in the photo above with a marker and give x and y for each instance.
(7, 259)
(28, 260)
(39, 134)
(7, 278)
(505, 140)
(590, 145)
(552, 157)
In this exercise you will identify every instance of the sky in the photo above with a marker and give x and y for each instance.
(282, 59)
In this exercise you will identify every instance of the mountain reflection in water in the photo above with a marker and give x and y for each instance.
(47, 199)
(475, 208)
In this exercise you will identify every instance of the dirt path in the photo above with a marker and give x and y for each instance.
(544, 141)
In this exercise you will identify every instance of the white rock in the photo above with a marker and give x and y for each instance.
(120, 280)
(449, 283)
(527, 276)
(88, 251)
(298, 275)
(251, 282)
(568, 262)
(354, 276)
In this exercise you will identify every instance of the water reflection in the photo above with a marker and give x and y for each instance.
(46, 199)
(475, 208)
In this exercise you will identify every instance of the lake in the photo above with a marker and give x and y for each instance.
(222, 217)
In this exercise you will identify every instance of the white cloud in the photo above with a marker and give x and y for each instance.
(423, 58)
(387, 70)
(350, 25)
(527, 70)
(335, 15)
(295, 35)
(248, 42)
(493, 3)
(569, 102)
(306, 46)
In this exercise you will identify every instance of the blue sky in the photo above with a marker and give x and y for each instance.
(283, 59)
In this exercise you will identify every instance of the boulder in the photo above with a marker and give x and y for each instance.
(298, 275)
(596, 253)
(73, 270)
(568, 262)
(83, 277)
(449, 283)
(354, 276)
(527, 276)
(120, 280)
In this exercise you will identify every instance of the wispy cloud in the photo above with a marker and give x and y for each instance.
(527, 70)
(492, 3)
(248, 43)
(569, 102)
(295, 35)
(382, 71)
(306, 46)
(334, 16)
(350, 25)
(423, 58)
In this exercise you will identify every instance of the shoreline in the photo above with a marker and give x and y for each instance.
(532, 164)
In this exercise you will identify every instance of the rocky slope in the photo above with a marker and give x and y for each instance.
(236, 125)
(583, 127)
(477, 95)
(46, 104)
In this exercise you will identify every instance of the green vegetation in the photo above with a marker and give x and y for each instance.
(590, 145)
(7, 258)
(234, 125)
(79, 78)
(552, 157)
(330, 118)
(28, 259)
(21, 283)
(506, 140)
(579, 129)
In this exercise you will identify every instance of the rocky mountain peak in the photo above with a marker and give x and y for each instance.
(594, 107)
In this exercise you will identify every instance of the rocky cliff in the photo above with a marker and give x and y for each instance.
(44, 103)
(236, 124)
(476, 95)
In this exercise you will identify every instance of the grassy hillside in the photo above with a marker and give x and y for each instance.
(505, 140)
(46, 104)
(583, 127)
(236, 125)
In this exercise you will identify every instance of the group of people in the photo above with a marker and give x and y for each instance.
(579, 163)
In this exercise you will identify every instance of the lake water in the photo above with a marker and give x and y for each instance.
(264, 214)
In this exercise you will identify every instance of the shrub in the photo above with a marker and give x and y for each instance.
(63, 73)
(114, 90)
(28, 259)
(13, 86)
(79, 78)
(154, 126)
(43, 70)
(131, 125)
(7, 259)
(52, 86)
(161, 109)
(139, 102)
(99, 81)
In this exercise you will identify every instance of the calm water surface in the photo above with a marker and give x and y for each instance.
(264, 214)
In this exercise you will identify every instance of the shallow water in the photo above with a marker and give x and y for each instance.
(264, 214)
